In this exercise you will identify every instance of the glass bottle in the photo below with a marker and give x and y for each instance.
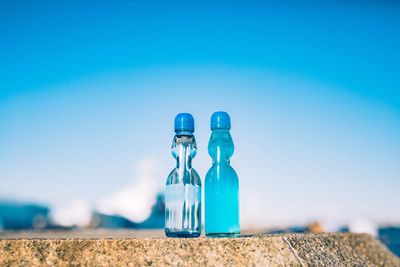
(183, 187)
(221, 183)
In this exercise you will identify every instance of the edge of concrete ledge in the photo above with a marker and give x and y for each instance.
(133, 248)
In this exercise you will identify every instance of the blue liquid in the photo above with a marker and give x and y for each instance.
(221, 188)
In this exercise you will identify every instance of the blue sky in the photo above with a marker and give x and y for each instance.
(87, 90)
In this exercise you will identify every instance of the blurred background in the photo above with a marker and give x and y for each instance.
(89, 91)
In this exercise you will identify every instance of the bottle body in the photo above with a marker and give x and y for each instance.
(183, 191)
(221, 188)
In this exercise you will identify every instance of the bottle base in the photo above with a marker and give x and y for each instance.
(184, 234)
(221, 235)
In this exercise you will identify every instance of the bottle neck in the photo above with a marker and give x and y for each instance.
(184, 149)
(220, 146)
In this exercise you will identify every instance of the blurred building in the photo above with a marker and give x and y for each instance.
(18, 216)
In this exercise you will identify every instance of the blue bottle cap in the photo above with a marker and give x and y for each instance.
(220, 120)
(184, 122)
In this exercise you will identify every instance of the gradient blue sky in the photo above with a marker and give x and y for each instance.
(88, 89)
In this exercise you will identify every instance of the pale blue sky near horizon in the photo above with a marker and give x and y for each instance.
(87, 90)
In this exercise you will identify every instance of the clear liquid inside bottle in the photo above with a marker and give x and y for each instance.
(183, 191)
(221, 188)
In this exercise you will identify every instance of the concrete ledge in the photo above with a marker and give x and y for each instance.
(133, 248)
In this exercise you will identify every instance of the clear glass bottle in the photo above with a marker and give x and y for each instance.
(221, 183)
(183, 187)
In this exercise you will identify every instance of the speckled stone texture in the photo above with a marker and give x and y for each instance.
(137, 248)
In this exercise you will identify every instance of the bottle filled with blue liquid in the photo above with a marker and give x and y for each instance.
(183, 187)
(221, 184)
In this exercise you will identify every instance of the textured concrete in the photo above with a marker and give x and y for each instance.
(138, 248)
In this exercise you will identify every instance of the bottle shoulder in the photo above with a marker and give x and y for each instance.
(221, 172)
(196, 177)
(186, 177)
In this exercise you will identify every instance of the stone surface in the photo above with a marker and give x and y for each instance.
(144, 248)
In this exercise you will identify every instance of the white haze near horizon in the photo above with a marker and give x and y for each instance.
(304, 150)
